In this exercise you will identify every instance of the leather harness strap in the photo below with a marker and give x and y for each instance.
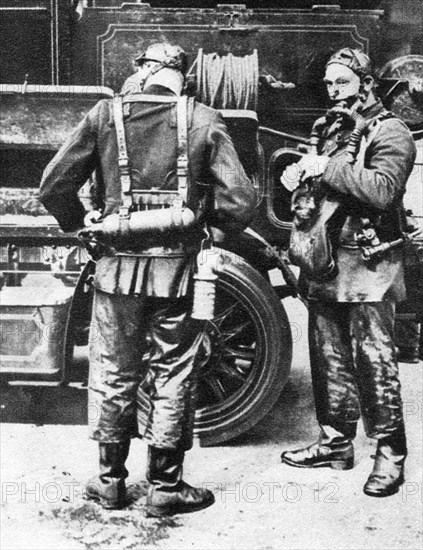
(182, 171)
(124, 168)
(148, 98)
(182, 162)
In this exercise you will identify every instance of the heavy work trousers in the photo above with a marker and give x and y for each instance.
(354, 366)
(131, 338)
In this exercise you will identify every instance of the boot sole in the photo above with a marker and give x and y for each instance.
(166, 511)
(334, 464)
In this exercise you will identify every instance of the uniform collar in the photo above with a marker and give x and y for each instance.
(373, 110)
(156, 89)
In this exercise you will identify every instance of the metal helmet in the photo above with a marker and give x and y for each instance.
(356, 60)
(171, 57)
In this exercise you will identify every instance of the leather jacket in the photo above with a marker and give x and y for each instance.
(220, 192)
(372, 187)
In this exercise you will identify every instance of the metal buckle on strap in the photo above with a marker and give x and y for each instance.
(182, 165)
(124, 212)
(178, 203)
(123, 162)
(126, 183)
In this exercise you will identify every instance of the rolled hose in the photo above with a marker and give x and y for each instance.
(145, 222)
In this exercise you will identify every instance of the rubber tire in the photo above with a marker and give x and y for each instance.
(77, 325)
(221, 422)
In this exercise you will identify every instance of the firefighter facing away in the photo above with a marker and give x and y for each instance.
(150, 138)
(351, 313)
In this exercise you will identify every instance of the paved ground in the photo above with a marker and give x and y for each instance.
(260, 503)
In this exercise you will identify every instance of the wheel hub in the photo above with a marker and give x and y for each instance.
(211, 349)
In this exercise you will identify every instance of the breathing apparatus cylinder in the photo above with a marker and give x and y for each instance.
(208, 264)
(145, 222)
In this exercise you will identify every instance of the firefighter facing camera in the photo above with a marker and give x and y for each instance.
(364, 156)
(149, 143)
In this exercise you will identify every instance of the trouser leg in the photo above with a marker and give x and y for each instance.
(332, 369)
(372, 337)
(116, 346)
(335, 392)
(116, 349)
(172, 386)
(372, 331)
(407, 340)
(175, 342)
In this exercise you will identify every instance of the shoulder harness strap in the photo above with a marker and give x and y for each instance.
(146, 98)
(123, 160)
(182, 162)
(182, 170)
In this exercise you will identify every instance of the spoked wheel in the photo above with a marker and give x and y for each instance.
(245, 357)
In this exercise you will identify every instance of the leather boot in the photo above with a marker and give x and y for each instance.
(168, 494)
(388, 470)
(108, 488)
(338, 455)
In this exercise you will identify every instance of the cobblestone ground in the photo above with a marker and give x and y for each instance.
(260, 503)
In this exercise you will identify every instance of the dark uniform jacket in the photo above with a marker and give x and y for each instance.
(373, 187)
(220, 192)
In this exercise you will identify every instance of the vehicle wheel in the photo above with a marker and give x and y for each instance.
(246, 355)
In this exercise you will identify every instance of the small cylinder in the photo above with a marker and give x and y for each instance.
(205, 285)
(204, 299)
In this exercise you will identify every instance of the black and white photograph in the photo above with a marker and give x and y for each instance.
(211, 274)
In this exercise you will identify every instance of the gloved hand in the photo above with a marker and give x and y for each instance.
(90, 219)
(309, 166)
(87, 235)
(93, 216)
